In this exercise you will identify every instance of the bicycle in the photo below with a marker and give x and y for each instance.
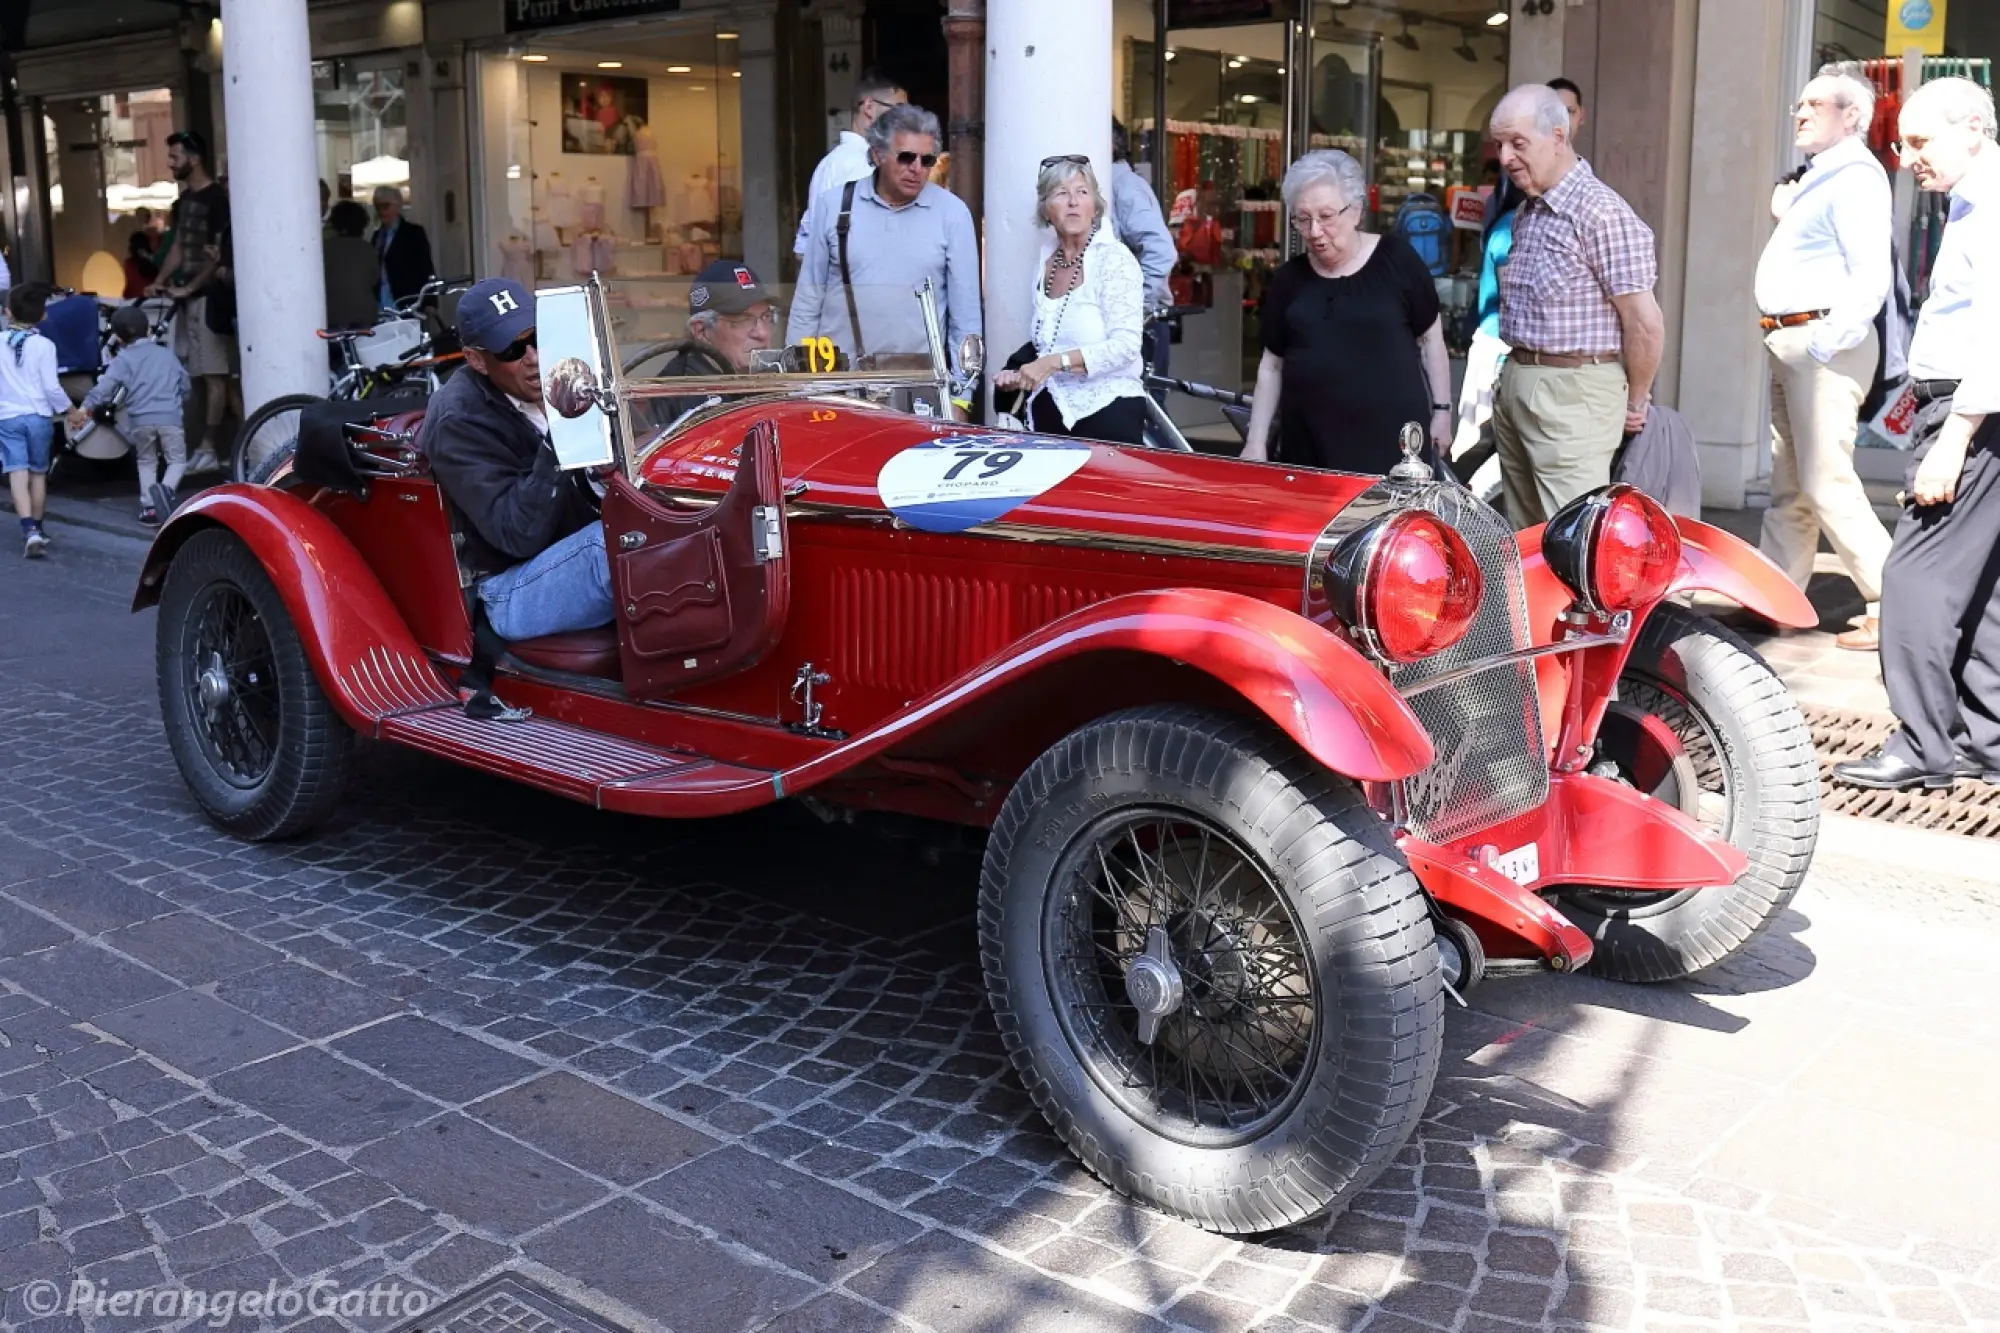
(1161, 432)
(405, 356)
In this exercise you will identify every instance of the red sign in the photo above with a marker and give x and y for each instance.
(1468, 208)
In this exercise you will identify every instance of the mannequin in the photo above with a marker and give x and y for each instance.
(561, 207)
(644, 189)
(590, 198)
(517, 259)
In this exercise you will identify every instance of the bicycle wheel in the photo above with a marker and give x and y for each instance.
(271, 432)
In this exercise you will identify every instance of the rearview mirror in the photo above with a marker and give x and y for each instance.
(571, 388)
(971, 356)
(577, 382)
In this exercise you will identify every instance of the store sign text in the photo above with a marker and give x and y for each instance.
(526, 14)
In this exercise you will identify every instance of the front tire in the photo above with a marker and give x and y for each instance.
(1291, 1033)
(257, 742)
(1744, 768)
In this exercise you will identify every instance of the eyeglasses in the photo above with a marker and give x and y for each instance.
(1074, 159)
(878, 102)
(517, 349)
(1306, 222)
(907, 158)
(767, 320)
(1814, 104)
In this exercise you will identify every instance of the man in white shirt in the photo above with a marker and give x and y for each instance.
(1940, 617)
(848, 160)
(1823, 277)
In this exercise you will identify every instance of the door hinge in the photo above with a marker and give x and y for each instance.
(631, 541)
(767, 536)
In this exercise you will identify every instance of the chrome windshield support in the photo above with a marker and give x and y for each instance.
(1619, 630)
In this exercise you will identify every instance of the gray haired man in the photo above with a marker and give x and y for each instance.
(872, 242)
(1821, 281)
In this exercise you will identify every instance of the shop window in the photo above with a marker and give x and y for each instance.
(361, 127)
(107, 174)
(617, 152)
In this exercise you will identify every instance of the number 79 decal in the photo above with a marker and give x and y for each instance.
(958, 482)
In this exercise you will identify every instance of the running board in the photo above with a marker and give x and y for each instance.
(587, 766)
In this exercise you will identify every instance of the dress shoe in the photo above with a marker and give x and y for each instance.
(1883, 771)
(1865, 637)
(1971, 770)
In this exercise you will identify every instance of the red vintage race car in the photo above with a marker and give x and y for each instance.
(1270, 760)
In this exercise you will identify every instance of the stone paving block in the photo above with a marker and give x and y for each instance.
(89, 900)
(1765, 1301)
(954, 1286)
(83, 979)
(1674, 1295)
(666, 1271)
(436, 1061)
(22, 932)
(336, 1103)
(195, 1033)
(1206, 1312)
(1925, 1305)
(835, 1312)
(302, 1000)
(190, 949)
(459, 1261)
(460, 1167)
(592, 1129)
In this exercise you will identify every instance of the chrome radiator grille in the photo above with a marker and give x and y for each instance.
(1491, 763)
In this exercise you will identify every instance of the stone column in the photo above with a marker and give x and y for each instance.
(1048, 90)
(280, 282)
(765, 241)
(965, 134)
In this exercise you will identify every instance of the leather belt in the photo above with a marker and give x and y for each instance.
(1528, 356)
(1791, 321)
(1929, 391)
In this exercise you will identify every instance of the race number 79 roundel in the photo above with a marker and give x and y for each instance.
(959, 481)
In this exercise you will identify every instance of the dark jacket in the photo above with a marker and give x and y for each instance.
(500, 474)
(408, 262)
(351, 282)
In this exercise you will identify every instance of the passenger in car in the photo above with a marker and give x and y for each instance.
(530, 533)
(729, 312)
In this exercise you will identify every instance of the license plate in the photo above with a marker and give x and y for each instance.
(1523, 865)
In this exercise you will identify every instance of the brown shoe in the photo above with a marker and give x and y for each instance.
(1865, 637)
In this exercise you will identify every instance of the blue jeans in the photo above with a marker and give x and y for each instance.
(25, 443)
(565, 588)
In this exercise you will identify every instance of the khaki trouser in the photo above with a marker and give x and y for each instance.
(1557, 430)
(1814, 489)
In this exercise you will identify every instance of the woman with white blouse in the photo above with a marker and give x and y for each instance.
(1087, 378)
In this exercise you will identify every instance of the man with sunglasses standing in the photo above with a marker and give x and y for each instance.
(530, 533)
(874, 241)
(848, 160)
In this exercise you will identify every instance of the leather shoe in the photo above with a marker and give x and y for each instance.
(1882, 771)
(1865, 637)
(1968, 769)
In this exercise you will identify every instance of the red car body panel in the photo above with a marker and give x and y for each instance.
(955, 657)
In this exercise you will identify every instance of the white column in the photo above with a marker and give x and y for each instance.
(765, 240)
(1048, 91)
(280, 281)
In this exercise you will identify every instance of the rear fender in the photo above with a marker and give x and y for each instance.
(1337, 706)
(366, 659)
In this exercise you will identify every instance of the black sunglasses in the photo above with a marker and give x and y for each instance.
(1074, 159)
(517, 349)
(907, 158)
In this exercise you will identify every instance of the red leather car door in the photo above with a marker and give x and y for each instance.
(700, 592)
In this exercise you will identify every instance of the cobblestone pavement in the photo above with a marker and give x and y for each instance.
(741, 1075)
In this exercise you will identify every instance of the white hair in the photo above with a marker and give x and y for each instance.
(702, 323)
(1849, 90)
(907, 118)
(1541, 103)
(1057, 174)
(385, 193)
(1325, 166)
(1954, 101)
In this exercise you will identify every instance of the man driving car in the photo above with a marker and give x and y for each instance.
(532, 538)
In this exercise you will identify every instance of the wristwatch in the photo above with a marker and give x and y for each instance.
(1065, 360)
(1440, 407)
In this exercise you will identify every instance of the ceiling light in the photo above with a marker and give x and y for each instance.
(1405, 39)
(726, 36)
(1236, 62)
(611, 64)
(1281, 69)
(1496, 20)
(735, 73)
(1172, 54)
(680, 69)
(1464, 49)
(696, 88)
(535, 60)
(1247, 97)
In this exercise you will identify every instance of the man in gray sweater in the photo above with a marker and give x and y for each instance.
(154, 386)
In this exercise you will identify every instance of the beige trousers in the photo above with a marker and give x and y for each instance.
(1557, 431)
(1814, 489)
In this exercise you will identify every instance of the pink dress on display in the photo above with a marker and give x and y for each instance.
(643, 186)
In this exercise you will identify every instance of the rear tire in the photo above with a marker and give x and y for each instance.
(1756, 784)
(258, 744)
(1305, 1034)
(271, 432)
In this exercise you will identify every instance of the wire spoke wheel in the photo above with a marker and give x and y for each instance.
(1181, 977)
(232, 689)
(269, 434)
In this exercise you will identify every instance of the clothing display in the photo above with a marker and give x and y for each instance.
(643, 186)
(591, 252)
(590, 205)
(557, 202)
(517, 259)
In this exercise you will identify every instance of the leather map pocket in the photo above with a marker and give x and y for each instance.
(673, 597)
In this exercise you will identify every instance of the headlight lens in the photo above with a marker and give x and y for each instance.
(1615, 548)
(1405, 584)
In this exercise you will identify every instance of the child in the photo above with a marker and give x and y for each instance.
(30, 399)
(155, 387)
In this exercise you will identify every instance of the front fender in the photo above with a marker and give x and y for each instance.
(365, 657)
(1721, 562)
(1333, 702)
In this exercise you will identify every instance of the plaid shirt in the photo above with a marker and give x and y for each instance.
(1575, 248)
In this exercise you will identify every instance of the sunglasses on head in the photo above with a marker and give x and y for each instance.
(1074, 159)
(517, 349)
(907, 158)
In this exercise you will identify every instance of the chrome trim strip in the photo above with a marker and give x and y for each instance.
(1576, 643)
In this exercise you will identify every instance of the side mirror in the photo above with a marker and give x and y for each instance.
(571, 388)
(971, 356)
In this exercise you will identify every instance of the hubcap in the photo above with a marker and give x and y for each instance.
(1153, 984)
(212, 686)
(232, 701)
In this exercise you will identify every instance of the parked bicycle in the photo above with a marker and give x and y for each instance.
(399, 355)
(1161, 430)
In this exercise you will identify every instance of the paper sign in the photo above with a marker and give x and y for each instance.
(960, 481)
(1918, 24)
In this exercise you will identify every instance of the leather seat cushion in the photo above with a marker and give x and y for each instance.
(586, 652)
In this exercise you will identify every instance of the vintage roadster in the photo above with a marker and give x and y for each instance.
(1270, 760)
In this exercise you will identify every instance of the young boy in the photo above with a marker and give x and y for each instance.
(30, 399)
(155, 387)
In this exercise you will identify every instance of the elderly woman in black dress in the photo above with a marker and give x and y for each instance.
(1353, 342)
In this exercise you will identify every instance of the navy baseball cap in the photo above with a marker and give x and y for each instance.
(727, 286)
(493, 313)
